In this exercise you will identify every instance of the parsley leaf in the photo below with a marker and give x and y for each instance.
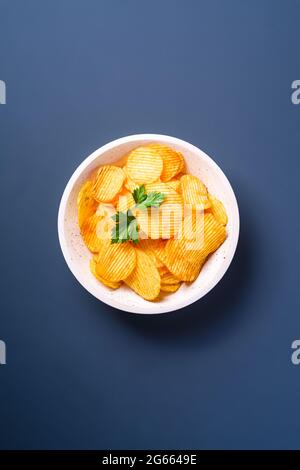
(153, 199)
(133, 231)
(144, 200)
(126, 228)
(139, 194)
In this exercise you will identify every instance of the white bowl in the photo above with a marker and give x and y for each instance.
(77, 255)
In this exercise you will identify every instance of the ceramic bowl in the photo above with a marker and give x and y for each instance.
(77, 256)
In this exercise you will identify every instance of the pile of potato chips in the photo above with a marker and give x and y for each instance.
(175, 239)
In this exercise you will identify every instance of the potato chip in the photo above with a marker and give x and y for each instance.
(146, 249)
(90, 235)
(149, 225)
(182, 168)
(124, 201)
(179, 176)
(105, 209)
(85, 202)
(145, 278)
(112, 285)
(116, 261)
(157, 246)
(218, 210)
(163, 270)
(175, 184)
(171, 195)
(147, 246)
(129, 183)
(159, 263)
(173, 162)
(108, 183)
(194, 192)
(144, 165)
(170, 287)
(169, 278)
(104, 229)
(165, 221)
(171, 219)
(184, 257)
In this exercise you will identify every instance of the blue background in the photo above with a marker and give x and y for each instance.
(217, 374)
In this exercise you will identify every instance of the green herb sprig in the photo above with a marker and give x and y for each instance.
(144, 200)
(126, 228)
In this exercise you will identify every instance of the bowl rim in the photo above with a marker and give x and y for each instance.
(136, 138)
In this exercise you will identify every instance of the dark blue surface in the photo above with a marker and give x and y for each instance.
(218, 374)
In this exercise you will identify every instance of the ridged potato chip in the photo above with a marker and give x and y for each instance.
(144, 165)
(157, 246)
(149, 225)
(218, 210)
(159, 263)
(182, 173)
(112, 285)
(185, 256)
(194, 192)
(171, 216)
(147, 246)
(108, 183)
(165, 221)
(169, 278)
(86, 203)
(144, 246)
(145, 278)
(173, 162)
(104, 229)
(175, 184)
(170, 287)
(171, 195)
(129, 183)
(116, 261)
(163, 270)
(124, 201)
(105, 209)
(89, 233)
